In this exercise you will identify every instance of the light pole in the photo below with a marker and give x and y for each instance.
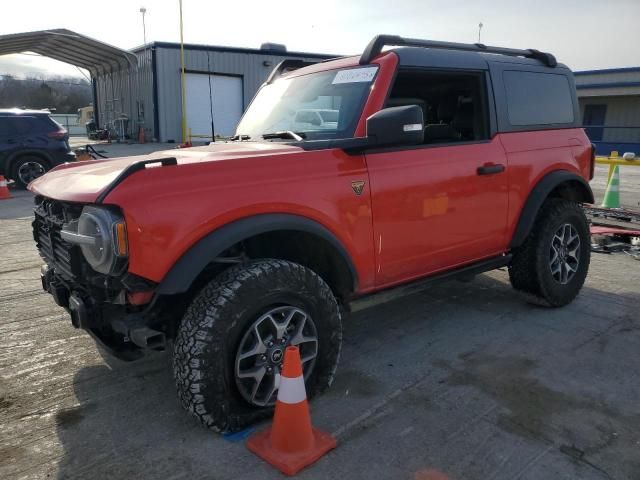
(479, 30)
(144, 27)
(182, 81)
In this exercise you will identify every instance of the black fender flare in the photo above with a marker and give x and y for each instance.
(540, 193)
(180, 277)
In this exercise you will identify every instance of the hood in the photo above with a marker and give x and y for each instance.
(85, 181)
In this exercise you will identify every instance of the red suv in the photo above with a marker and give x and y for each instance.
(443, 159)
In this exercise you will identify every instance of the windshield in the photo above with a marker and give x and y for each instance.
(324, 105)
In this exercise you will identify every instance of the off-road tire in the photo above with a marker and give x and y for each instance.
(207, 341)
(18, 182)
(529, 270)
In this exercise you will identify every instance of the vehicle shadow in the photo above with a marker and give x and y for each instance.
(128, 423)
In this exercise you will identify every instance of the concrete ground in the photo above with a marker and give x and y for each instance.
(465, 379)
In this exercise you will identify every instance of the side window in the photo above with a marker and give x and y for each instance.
(537, 98)
(22, 126)
(454, 104)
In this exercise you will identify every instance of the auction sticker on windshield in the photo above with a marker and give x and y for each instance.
(354, 75)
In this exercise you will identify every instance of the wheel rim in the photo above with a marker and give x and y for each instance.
(564, 254)
(261, 352)
(29, 171)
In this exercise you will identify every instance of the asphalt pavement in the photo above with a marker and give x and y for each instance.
(463, 380)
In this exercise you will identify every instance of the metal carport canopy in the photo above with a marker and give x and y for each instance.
(69, 47)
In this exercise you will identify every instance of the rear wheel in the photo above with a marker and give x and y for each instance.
(553, 262)
(230, 345)
(27, 169)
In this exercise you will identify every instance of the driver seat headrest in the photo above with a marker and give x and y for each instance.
(447, 109)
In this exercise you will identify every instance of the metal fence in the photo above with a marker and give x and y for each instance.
(70, 122)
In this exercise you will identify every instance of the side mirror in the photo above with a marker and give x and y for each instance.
(397, 126)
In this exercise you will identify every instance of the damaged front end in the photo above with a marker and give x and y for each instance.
(86, 254)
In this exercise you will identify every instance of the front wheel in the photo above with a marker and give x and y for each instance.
(553, 262)
(28, 169)
(230, 345)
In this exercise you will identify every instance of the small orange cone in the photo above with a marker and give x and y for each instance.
(291, 443)
(141, 138)
(4, 190)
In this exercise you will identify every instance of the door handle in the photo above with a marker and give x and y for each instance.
(490, 169)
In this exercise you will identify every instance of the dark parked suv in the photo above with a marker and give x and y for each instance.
(31, 143)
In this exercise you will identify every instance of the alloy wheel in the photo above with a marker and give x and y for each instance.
(564, 254)
(261, 352)
(29, 171)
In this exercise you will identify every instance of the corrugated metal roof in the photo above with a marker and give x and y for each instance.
(221, 48)
(70, 47)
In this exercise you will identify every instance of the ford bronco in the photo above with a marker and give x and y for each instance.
(444, 159)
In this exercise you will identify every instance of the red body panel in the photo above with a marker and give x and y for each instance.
(171, 208)
(423, 209)
(532, 155)
(433, 211)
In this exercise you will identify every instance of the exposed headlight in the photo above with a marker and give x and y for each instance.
(102, 237)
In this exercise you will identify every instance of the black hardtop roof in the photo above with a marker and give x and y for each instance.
(437, 54)
(453, 54)
(437, 58)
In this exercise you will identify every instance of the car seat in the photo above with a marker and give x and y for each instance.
(443, 130)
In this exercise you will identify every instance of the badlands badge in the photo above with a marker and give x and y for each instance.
(358, 186)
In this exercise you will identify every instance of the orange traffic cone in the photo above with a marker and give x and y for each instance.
(4, 190)
(291, 443)
(141, 138)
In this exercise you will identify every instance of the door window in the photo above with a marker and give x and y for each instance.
(453, 104)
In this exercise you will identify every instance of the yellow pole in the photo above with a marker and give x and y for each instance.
(182, 81)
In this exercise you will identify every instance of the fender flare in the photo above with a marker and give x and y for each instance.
(540, 193)
(182, 274)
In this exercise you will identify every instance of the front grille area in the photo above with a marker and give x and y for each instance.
(65, 258)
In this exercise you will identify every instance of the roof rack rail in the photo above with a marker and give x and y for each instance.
(286, 66)
(379, 41)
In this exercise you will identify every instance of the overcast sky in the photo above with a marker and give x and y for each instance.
(584, 34)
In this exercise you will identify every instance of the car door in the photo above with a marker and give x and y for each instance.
(9, 139)
(438, 205)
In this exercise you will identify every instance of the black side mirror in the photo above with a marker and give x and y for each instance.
(397, 126)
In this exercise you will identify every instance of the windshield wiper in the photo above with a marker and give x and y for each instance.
(240, 137)
(298, 137)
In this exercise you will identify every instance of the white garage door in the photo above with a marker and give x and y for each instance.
(227, 105)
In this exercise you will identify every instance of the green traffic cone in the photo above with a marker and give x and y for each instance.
(612, 195)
